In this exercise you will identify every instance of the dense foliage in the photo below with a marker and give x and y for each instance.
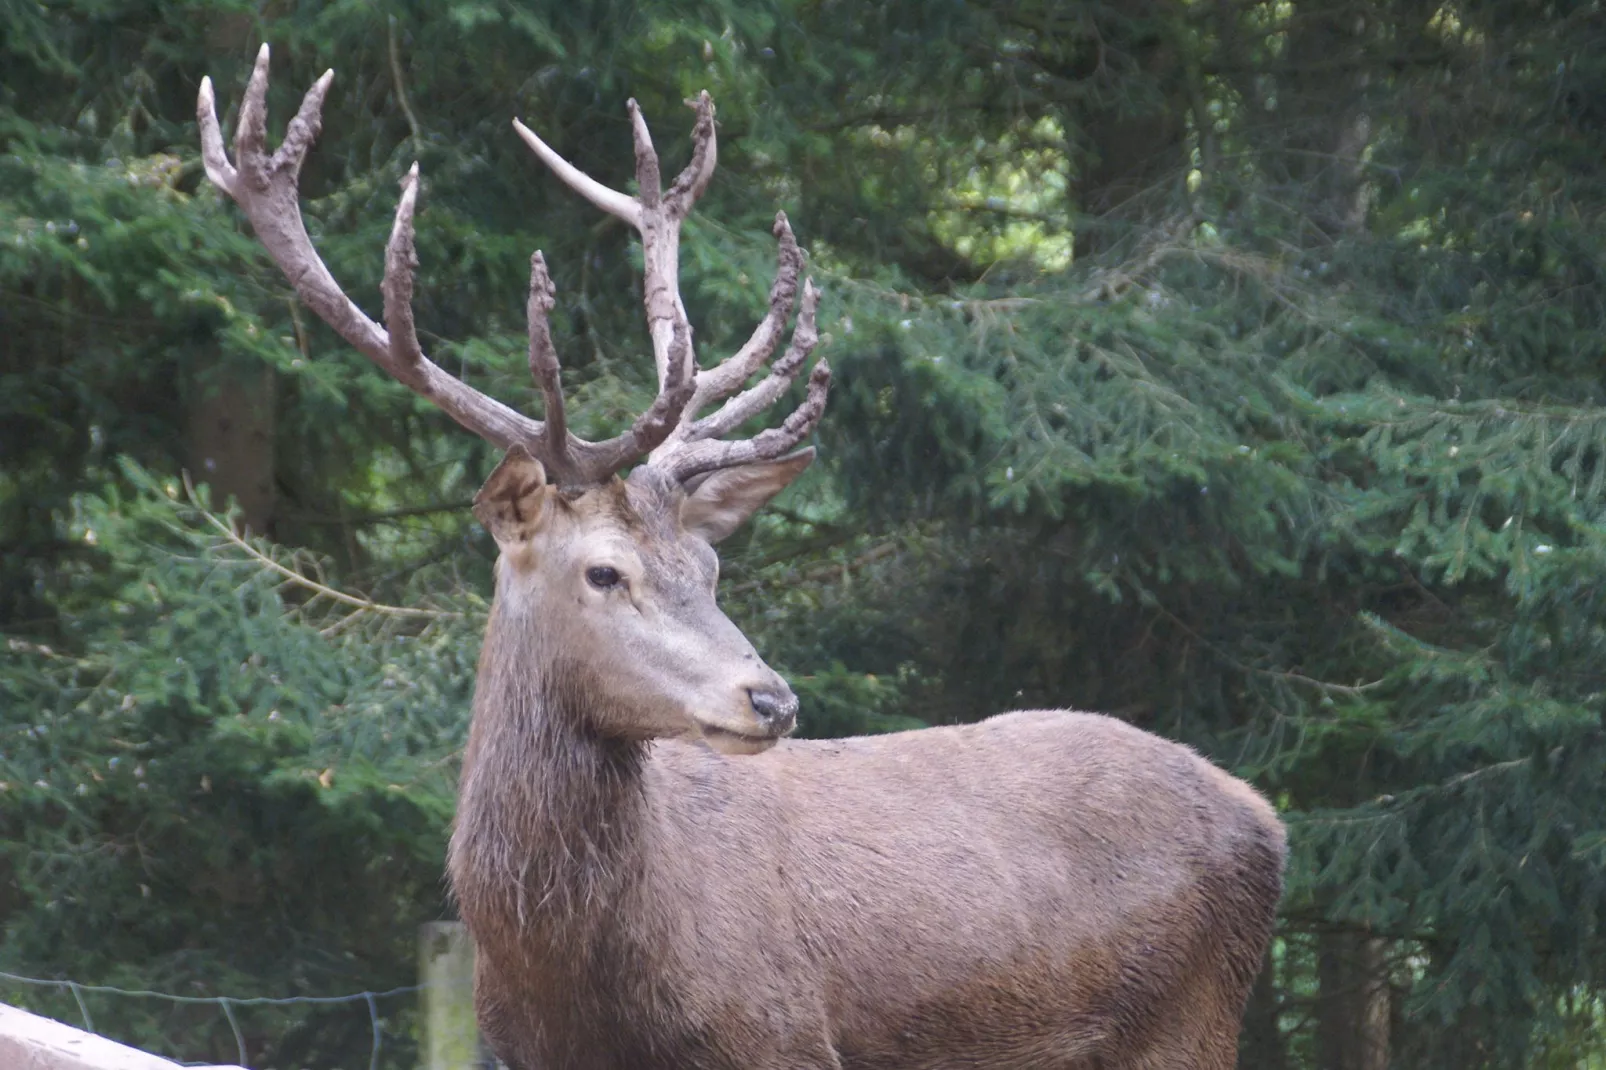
(1233, 368)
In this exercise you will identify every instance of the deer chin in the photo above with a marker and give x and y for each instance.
(730, 741)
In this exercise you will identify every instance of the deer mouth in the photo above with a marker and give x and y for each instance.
(727, 741)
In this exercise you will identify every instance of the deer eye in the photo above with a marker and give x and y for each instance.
(602, 577)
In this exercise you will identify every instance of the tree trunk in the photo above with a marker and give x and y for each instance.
(1352, 1023)
(1322, 109)
(1261, 1046)
(230, 441)
(1135, 143)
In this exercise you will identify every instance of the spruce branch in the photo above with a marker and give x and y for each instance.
(296, 578)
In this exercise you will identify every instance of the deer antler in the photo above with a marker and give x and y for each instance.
(266, 189)
(690, 447)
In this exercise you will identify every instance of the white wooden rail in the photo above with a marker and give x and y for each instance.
(450, 1039)
(29, 1042)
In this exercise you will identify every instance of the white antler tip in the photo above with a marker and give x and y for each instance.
(409, 191)
(262, 55)
(638, 124)
(409, 196)
(205, 96)
(531, 138)
(325, 78)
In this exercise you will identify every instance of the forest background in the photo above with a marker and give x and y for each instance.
(1232, 367)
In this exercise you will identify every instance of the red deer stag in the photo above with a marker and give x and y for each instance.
(1044, 889)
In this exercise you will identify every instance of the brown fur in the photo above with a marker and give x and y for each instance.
(1041, 890)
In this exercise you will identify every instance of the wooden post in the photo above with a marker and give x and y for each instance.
(446, 971)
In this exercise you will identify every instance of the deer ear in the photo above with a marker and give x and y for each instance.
(720, 502)
(514, 503)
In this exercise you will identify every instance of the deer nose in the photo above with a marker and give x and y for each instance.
(776, 709)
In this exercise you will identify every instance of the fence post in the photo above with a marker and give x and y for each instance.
(446, 972)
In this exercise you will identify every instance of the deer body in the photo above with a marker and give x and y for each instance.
(654, 876)
(877, 903)
(1042, 889)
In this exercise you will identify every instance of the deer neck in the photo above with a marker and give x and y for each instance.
(550, 815)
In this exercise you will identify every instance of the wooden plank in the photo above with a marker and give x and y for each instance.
(29, 1042)
(446, 972)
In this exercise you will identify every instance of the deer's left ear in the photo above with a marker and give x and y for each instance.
(514, 504)
(720, 502)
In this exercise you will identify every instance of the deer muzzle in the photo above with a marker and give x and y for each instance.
(771, 714)
(776, 708)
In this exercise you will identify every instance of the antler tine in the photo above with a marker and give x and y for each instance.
(783, 372)
(218, 168)
(726, 378)
(657, 219)
(544, 358)
(266, 189)
(650, 190)
(251, 132)
(305, 127)
(694, 458)
(667, 322)
(401, 261)
(690, 449)
(691, 183)
(651, 427)
(609, 200)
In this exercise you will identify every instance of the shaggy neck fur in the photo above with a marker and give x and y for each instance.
(549, 814)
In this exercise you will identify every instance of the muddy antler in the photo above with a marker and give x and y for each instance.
(266, 188)
(691, 446)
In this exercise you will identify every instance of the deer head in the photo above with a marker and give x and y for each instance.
(615, 576)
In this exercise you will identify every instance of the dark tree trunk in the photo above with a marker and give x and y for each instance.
(1261, 1046)
(1133, 135)
(1352, 1023)
(230, 441)
(1321, 109)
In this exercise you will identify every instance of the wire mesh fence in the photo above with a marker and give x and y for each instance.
(428, 1025)
(228, 1006)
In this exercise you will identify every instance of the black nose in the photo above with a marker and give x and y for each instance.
(777, 709)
